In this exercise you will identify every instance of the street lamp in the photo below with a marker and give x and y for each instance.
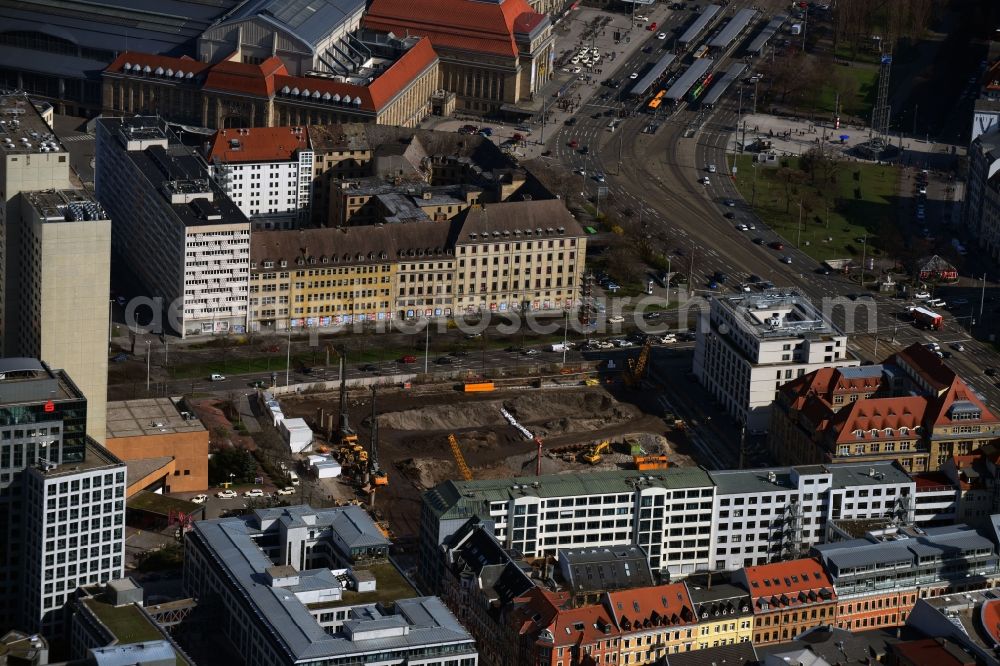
(147, 366)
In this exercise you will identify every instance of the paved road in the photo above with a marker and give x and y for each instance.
(657, 175)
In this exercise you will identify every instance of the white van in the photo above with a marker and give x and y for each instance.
(216, 377)
(294, 478)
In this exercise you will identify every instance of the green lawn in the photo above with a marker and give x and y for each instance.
(125, 622)
(861, 201)
(859, 99)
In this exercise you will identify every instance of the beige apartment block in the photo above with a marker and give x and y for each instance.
(64, 291)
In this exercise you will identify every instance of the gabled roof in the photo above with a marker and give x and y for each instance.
(392, 81)
(228, 76)
(878, 414)
(924, 363)
(542, 610)
(658, 605)
(151, 60)
(786, 584)
(956, 401)
(464, 25)
(257, 144)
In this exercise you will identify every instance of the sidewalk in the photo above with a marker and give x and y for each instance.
(572, 90)
(790, 136)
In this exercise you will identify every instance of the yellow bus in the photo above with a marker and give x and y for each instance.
(657, 100)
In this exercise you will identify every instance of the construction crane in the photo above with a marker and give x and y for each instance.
(593, 455)
(377, 475)
(351, 452)
(459, 458)
(637, 367)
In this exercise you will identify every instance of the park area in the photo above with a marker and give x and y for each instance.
(830, 208)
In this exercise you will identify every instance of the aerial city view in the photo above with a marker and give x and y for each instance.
(499, 333)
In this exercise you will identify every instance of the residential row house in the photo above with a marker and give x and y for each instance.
(524, 612)
(912, 409)
(502, 257)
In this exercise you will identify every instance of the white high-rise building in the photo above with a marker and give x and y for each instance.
(754, 343)
(266, 171)
(62, 498)
(175, 229)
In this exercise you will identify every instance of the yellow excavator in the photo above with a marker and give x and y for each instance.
(593, 455)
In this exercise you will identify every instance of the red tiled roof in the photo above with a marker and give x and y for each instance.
(990, 616)
(228, 76)
(664, 604)
(393, 80)
(878, 414)
(313, 84)
(923, 362)
(930, 480)
(527, 22)
(786, 584)
(542, 609)
(932, 651)
(939, 411)
(257, 144)
(184, 63)
(464, 25)
(826, 383)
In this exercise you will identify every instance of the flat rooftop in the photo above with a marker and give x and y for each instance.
(22, 129)
(778, 313)
(150, 416)
(175, 171)
(29, 381)
(95, 457)
(66, 206)
(389, 587)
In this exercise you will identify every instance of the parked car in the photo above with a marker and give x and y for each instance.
(958, 346)
(253, 492)
(922, 295)
(199, 499)
(444, 360)
(216, 377)
(531, 352)
(288, 490)
(616, 319)
(409, 358)
(228, 493)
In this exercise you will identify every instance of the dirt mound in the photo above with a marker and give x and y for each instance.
(554, 411)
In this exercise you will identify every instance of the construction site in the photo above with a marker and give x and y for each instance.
(430, 433)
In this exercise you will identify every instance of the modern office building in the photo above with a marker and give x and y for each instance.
(751, 344)
(668, 514)
(879, 578)
(766, 515)
(175, 230)
(54, 263)
(301, 586)
(62, 497)
(685, 520)
(266, 171)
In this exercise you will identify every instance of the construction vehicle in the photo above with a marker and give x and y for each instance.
(645, 463)
(593, 455)
(637, 367)
(459, 458)
(377, 475)
(348, 438)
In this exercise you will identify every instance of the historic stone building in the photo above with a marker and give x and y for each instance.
(493, 54)
(393, 87)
